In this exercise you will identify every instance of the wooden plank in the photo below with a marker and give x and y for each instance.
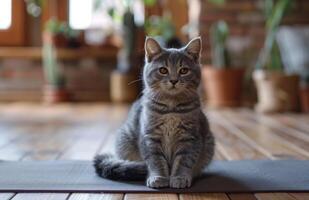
(204, 196)
(99, 138)
(272, 196)
(116, 116)
(20, 94)
(236, 148)
(94, 196)
(20, 147)
(49, 148)
(218, 154)
(242, 196)
(54, 136)
(274, 124)
(6, 196)
(222, 150)
(238, 133)
(39, 144)
(268, 138)
(108, 144)
(302, 118)
(293, 123)
(300, 196)
(150, 196)
(40, 196)
(8, 135)
(90, 142)
(35, 53)
(257, 134)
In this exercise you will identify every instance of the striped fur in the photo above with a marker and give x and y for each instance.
(166, 138)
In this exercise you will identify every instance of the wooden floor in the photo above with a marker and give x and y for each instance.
(37, 132)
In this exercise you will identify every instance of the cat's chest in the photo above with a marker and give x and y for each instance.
(170, 131)
(170, 125)
(170, 128)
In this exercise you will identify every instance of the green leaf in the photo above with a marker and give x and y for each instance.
(111, 12)
(97, 4)
(217, 2)
(268, 7)
(160, 25)
(150, 2)
(279, 10)
(218, 35)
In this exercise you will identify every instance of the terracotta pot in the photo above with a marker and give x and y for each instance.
(123, 87)
(54, 94)
(58, 39)
(223, 87)
(277, 92)
(304, 99)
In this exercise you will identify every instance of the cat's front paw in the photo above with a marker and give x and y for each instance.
(180, 181)
(157, 181)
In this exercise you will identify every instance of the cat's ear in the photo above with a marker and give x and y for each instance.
(152, 48)
(194, 48)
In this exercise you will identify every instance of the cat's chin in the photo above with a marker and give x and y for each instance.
(174, 91)
(171, 89)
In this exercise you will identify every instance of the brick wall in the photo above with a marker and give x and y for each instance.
(23, 80)
(246, 23)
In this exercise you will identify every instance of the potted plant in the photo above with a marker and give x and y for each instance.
(121, 89)
(292, 41)
(222, 83)
(162, 28)
(304, 94)
(61, 34)
(54, 88)
(277, 91)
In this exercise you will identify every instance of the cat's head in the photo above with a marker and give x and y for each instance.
(172, 71)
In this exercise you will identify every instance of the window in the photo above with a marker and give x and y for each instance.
(95, 13)
(102, 18)
(5, 14)
(80, 13)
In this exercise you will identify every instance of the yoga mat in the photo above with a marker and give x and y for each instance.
(220, 176)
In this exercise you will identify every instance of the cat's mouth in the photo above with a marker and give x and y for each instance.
(170, 88)
(173, 87)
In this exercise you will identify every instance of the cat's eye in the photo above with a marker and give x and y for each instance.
(184, 70)
(163, 70)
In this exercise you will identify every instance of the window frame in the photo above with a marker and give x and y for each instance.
(15, 34)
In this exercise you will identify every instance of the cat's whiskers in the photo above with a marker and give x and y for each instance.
(135, 81)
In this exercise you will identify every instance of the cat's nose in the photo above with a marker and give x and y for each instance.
(174, 82)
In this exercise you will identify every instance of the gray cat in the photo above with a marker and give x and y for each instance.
(166, 137)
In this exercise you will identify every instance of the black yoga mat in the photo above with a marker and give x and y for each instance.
(221, 176)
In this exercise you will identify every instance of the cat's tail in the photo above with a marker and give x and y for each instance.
(107, 166)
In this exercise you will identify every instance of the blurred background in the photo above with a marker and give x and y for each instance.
(255, 53)
(69, 70)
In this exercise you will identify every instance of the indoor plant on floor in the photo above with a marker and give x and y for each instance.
(222, 83)
(294, 48)
(304, 94)
(121, 88)
(54, 88)
(277, 90)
